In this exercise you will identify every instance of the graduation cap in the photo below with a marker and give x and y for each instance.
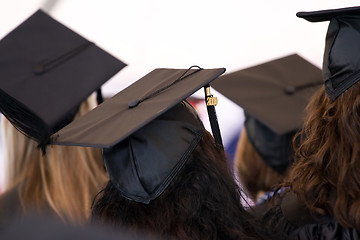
(274, 95)
(46, 71)
(341, 62)
(147, 131)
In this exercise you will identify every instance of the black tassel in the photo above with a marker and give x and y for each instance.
(99, 96)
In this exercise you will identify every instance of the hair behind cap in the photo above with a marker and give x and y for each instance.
(202, 202)
(326, 174)
(63, 181)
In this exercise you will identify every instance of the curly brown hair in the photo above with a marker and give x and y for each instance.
(202, 202)
(326, 175)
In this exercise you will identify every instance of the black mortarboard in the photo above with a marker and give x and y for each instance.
(274, 95)
(147, 130)
(46, 71)
(341, 62)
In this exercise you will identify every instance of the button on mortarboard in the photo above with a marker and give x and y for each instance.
(46, 71)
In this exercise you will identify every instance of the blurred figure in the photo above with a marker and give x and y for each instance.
(323, 186)
(273, 95)
(167, 174)
(262, 159)
(47, 74)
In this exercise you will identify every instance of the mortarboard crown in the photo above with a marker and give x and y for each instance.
(46, 71)
(147, 130)
(274, 95)
(341, 63)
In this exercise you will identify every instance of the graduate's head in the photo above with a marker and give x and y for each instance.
(201, 189)
(172, 182)
(47, 74)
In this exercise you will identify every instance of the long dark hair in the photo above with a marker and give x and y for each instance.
(326, 176)
(202, 202)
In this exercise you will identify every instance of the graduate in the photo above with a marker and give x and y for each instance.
(273, 95)
(168, 175)
(322, 201)
(48, 74)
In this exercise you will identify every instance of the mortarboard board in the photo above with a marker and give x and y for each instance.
(147, 130)
(341, 63)
(274, 95)
(46, 71)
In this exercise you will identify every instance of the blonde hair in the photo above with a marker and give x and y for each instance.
(65, 179)
(254, 174)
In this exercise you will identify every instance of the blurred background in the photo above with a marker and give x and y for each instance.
(177, 34)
